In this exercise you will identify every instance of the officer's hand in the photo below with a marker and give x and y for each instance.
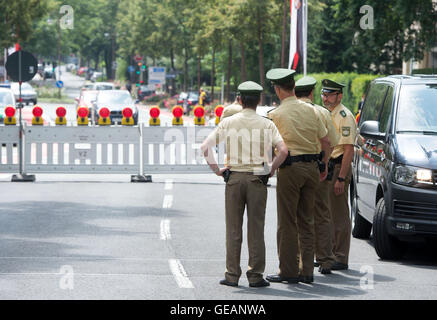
(220, 172)
(324, 174)
(338, 188)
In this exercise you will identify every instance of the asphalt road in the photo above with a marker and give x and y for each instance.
(102, 237)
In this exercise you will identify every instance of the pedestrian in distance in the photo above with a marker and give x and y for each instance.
(249, 141)
(303, 131)
(323, 236)
(340, 170)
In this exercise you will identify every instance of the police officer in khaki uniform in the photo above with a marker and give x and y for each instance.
(322, 216)
(302, 129)
(340, 166)
(231, 109)
(247, 161)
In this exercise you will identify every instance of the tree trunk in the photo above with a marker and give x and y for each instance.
(173, 70)
(213, 75)
(261, 57)
(243, 62)
(185, 69)
(228, 76)
(199, 66)
(284, 32)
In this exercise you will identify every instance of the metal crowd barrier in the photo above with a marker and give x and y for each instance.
(132, 150)
(9, 138)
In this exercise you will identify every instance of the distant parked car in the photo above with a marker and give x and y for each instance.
(115, 101)
(144, 91)
(82, 71)
(96, 75)
(48, 72)
(99, 86)
(28, 94)
(6, 99)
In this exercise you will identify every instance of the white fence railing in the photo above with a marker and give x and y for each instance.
(130, 150)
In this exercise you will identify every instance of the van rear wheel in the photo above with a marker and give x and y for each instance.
(386, 246)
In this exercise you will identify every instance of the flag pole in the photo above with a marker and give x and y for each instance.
(305, 36)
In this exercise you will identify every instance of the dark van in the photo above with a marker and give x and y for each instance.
(394, 187)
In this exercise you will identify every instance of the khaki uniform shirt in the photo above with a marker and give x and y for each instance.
(249, 140)
(344, 122)
(230, 110)
(327, 121)
(300, 125)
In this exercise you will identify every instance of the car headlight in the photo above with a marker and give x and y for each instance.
(410, 176)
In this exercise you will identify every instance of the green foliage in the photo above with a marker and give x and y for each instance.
(194, 37)
(356, 86)
(121, 70)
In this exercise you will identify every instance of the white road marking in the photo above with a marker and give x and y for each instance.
(168, 184)
(179, 274)
(168, 201)
(165, 230)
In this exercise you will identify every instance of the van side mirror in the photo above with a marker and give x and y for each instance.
(371, 129)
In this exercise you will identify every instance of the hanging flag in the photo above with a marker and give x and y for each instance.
(296, 34)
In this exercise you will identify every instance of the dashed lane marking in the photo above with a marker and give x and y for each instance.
(179, 274)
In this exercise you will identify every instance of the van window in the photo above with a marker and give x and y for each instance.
(373, 102)
(386, 110)
(417, 109)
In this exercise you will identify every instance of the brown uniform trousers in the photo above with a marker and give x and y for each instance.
(341, 222)
(245, 189)
(323, 233)
(295, 201)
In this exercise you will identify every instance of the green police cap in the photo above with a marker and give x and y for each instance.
(250, 88)
(280, 75)
(331, 86)
(305, 84)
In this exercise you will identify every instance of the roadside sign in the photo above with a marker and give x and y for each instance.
(60, 84)
(157, 75)
(138, 58)
(21, 66)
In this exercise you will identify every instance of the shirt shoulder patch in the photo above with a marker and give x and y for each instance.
(346, 131)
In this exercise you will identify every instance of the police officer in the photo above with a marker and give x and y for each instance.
(340, 169)
(246, 185)
(231, 109)
(322, 216)
(302, 129)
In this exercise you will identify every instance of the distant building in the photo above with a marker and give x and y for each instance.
(429, 62)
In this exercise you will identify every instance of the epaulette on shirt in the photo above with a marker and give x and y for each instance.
(343, 114)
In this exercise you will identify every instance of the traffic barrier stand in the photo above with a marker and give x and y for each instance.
(61, 112)
(104, 119)
(218, 113)
(82, 116)
(37, 119)
(177, 112)
(154, 116)
(128, 119)
(10, 119)
(199, 114)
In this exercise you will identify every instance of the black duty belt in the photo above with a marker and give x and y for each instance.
(300, 158)
(336, 160)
